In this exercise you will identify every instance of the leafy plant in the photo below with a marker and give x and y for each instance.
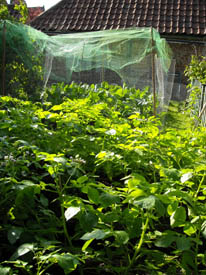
(92, 184)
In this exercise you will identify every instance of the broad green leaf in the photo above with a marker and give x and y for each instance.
(146, 203)
(184, 195)
(51, 171)
(27, 183)
(71, 212)
(111, 217)
(57, 107)
(190, 229)
(107, 199)
(68, 262)
(178, 217)
(172, 207)
(121, 237)
(188, 258)
(88, 220)
(5, 270)
(60, 160)
(186, 177)
(101, 155)
(201, 167)
(170, 173)
(135, 181)
(14, 234)
(160, 208)
(183, 243)
(153, 131)
(44, 201)
(201, 198)
(137, 193)
(22, 250)
(93, 195)
(82, 179)
(95, 234)
(166, 239)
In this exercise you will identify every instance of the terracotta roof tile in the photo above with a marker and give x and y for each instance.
(167, 16)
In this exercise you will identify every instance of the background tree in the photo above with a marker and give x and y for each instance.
(16, 77)
(18, 5)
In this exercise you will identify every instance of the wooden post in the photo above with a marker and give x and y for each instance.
(153, 76)
(102, 71)
(3, 57)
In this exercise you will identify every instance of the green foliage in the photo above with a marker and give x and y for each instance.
(90, 184)
(21, 8)
(196, 70)
(20, 80)
(196, 73)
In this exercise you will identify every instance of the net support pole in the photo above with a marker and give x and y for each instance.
(3, 57)
(153, 76)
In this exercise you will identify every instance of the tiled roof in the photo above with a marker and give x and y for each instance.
(35, 11)
(167, 16)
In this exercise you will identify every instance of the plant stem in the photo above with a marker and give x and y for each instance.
(59, 190)
(138, 247)
(198, 189)
(196, 252)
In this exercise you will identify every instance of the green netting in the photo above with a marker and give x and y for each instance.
(116, 56)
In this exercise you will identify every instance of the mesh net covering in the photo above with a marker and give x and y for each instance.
(115, 56)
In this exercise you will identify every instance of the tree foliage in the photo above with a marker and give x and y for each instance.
(21, 8)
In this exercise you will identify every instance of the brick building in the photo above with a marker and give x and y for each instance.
(181, 22)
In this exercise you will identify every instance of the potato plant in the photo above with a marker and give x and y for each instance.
(91, 184)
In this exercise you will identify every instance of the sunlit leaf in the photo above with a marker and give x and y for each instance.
(22, 250)
(190, 229)
(86, 244)
(186, 177)
(111, 132)
(101, 155)
(5, 270)
(137, 193)
(203, 229)
(60, 160)
(178, 217)
(146, 203)
(82, 179)
(71, 212)
(172, 207)
(136, 180)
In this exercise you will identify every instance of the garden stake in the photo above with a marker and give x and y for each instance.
(202, 108)
(3, 57)
(102, 71)
(153, 75)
